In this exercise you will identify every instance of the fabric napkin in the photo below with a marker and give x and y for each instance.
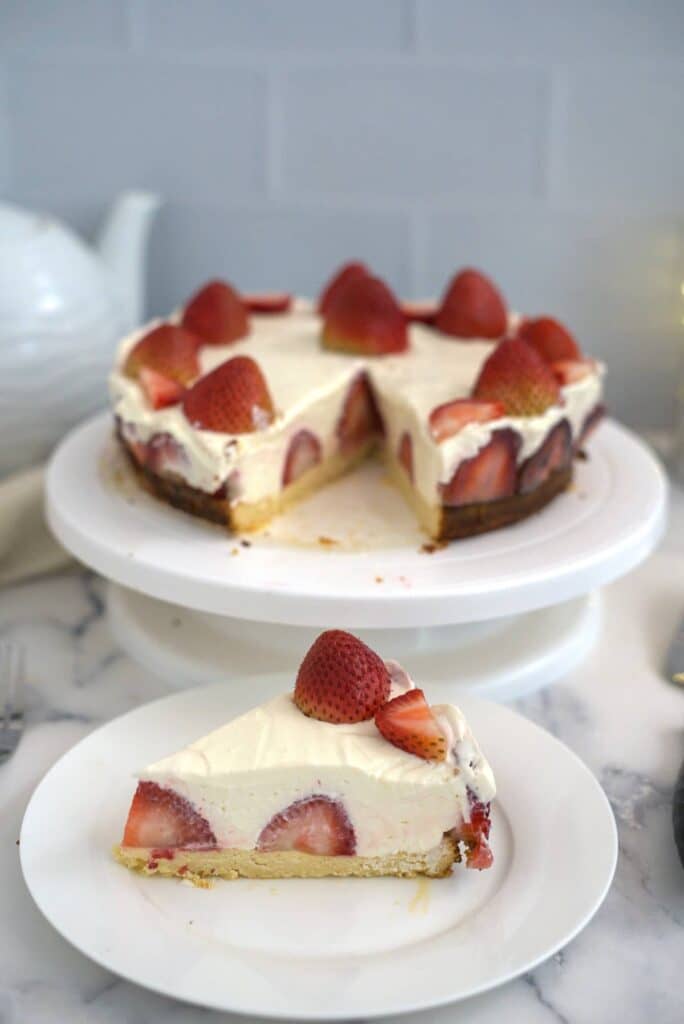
(27, 548)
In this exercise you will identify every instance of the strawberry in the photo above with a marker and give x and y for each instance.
(268, 302)
(570, 371)
(406, 453)
(160, 390)
(479, 856)
(446, 420)
(159, 817)
(551, 340)
(337, 283)
(474, 834)
(590, 424)
(420, 312)
(167, 350)
(232, 399)
(489, 475)
(408, 723)
(472, 307)
(518, 378)
(303, 453)
(341, 679)
(364, 318)
(316, 825)
(555, 453)
(359, 419)
(217, 314)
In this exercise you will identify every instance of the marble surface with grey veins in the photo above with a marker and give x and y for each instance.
(616, 712)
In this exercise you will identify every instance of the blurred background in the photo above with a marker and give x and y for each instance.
(541, 142)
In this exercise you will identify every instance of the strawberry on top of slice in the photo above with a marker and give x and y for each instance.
(408, 723)
(448, 419)
(232, 399)
(364, 318)
(217, 314)
(518, 378)
(341, 680)
(347, 272)
(472, 307)
(551, 340)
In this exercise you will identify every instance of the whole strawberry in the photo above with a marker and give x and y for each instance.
(550, 339)
(341, 679)
(338, 282)
(232, 399)
(472, 307)
(364, 318)
(518, 378)
(217, 314)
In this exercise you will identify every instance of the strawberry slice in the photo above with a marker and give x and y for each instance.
(337, 283)
(406, 453)
(167, 350)
(268, 302)
(341, 679)
(446, 420)
(472, 307)
(316, 825)
(408, 723)
(420, 312)
(555, 453)
(364, 318)
(232, 399)
(570, 371)
(303, 453)
(160, 390)
(550, 339)
(159, 817)
(590, 424)
(359, 419)
(474, 834)
(489, 475)
(518, 378)
(217, 314)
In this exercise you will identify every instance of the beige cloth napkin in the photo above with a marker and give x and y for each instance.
(27, 548)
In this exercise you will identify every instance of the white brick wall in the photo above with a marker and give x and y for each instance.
(542, 141)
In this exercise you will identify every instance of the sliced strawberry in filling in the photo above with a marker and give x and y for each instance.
(304, 453)
(554, 454)
(487, 476)
(316, 824)
(590, 424)
(475, 833)
(406, 454)
(161, 818)
(359, 419)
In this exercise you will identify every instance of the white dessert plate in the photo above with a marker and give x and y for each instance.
(352, 554)
(325, 949)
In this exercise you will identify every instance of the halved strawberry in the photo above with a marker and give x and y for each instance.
(518, 378)
(472, 307)
(570, 371)
(406, 453)
(359, 419)
(346, 273)
(408, 723)
(303, 453)
(364, 318)
(316, 824)
(167, 350)
(217, 314)
(268, 302)
(420, 312)
(341, 679)
(159, 817)
(160, 390)
(446, 420)
(551, 340)
(474, 834)
(487, 476)
(232, 399)
(555, 453)
(590, 424)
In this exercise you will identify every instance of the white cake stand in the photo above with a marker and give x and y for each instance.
(353, 557)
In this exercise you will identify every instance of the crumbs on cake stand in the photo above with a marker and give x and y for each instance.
(431, 546)
(327, 542)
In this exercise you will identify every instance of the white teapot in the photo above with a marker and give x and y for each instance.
(63, 308)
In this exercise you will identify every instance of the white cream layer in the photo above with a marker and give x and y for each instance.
(252, 768)
(309, 384)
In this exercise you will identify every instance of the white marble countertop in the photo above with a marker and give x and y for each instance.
(616, 712)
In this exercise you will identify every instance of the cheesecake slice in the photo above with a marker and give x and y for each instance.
(352, 774)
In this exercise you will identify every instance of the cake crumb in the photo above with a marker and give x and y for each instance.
(326, 542)
(245, 543)
(430, 547)
(379, 579)
(235, 551)
(582, 455)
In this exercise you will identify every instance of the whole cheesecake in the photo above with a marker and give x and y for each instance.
(237, 406)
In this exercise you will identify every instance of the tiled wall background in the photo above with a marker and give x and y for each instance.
(541, 140)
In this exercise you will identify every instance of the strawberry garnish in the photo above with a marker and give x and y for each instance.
(364, 318)
(408, 723)
(570, 371)
(217, 314)
(303, 453)
(160, 390)
(549, 338)
(341, 679)
(268, 302)
(359, 419)
(555, 453)
(406, 453)
(472, 307)
(424, 312)
(167, 350)
(446, 420)
(489, 475)
(316, 825)
(518, 378)
(337, 283)
(232, 399)
(161, 818)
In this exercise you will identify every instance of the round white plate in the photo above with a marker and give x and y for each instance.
(375, 574)
(501, 659)
(330, 948)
